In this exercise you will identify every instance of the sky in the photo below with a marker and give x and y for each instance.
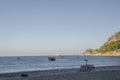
(47, 27)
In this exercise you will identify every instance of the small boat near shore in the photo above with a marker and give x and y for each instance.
(51, 59)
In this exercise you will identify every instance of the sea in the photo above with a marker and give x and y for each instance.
(33, 63)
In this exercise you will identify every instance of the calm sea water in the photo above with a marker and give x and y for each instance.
(29, 63)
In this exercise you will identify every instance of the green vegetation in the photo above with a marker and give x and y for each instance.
(112, 46)
(89, 51)
(114, 37)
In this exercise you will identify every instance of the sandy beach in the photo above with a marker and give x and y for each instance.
(101, 73)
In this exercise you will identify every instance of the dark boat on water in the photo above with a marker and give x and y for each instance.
(51, 59)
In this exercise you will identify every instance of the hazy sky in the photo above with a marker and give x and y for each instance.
(41, 27)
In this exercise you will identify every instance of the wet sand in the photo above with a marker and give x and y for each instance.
(101, 73)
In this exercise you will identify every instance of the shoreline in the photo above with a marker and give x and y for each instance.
(62, 74)
(113, 67)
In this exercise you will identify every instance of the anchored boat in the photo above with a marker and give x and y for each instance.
(51, 59)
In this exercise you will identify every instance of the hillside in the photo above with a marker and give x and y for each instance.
(110, 48)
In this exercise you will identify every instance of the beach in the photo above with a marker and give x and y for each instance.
(100, 73)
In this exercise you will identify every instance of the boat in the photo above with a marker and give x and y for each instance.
(51, 59)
